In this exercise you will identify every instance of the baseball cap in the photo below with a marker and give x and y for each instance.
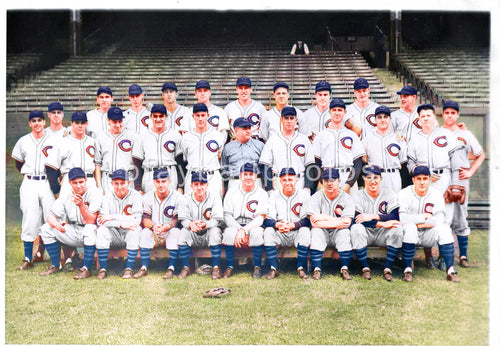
(244, 81)
(425, 106)
(337, 103)
(169, 85)
(36, 114)
(55, 106)
(361, 83)
(76, 172)
(119, 174)
(202, 84)
(330, 173)
(451, 104)
(280, 85)
(115, 113)
(419, 170)
(286, 171)
(200, 107)
(161, 173)
(104, 89)
(199, 177)
(134, 89)
(323, 85)
(288, 111)
(407, 90)
(248, 167)
(382, 109)
(371, 169)
(79, 116)
(242, 122)
(158, 109)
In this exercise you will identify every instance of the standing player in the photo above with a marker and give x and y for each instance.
(377, 221)
(421, 211)
(200, 213)
(136, 118)
(175, 112)
(271, 119)
(331, 211)
(359, 115)
(119, 223)
(461, 176)
(405, 119)
(286, 225)
(55, 112)
(36, 198)
(245, 106)
(245, 207)
(72, 222)
(98, 120)
(318, 116)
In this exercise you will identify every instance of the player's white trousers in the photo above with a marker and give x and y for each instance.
(215, 184)
(427, 237)
(75, 235)
(301, 236)
(459, 224)
(338, 238)
(149, 239)
(256, 236)
(362, 236)
(441, 185)
(36, 199)
(207, 237)
(66, 187)
(147, 179)
(117, 238)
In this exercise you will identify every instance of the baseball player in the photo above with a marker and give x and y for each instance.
(331, 211)
(421, 211)
(119, 223)
(461, 176)
(245, 106)
(359, 115)
(200, 213)
(55, 112)
(377, 221)
(245, 207)
(318, 116)
(175, 112)
(36, 197)
(160, 222)
(71, 221)
(98, 120)
(271, 119)
(338, 147)
(405, 119)
(243, 149)
(286, 149)
(136, 118)
(202, 149)
(286, 225)
(385, 149)
(157, 148)
(113, 150)
(218, 117)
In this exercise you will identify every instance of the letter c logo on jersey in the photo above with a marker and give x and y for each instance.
(169, 146)
(327, 124)
(429, 208)
(254, 119)
(45, 150)
(207, 214)
(252, 206)
(382, 207)
(125, 145)
(338, 210)
(462, 140)
(441, 141)
(393, 149)
(296, 208)
(127, 208)
(300, 149)
(178, 121)
(212, 145)
(214, 121)
(370, 118)
(417, 123)
(169, 211)
(143, 121)
(90, 150)
(346, 142)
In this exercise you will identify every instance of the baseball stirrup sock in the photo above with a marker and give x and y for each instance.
(145, 257)
(362, 256)
(216, 251)
(408, 253)
(257, 255)
(271, 254)
(172, 258)
(316, 257)
(28, 250)
(447, 251)
(88, 256)
(131, 256)
(302, 256)
(229, 255)
(102, 256)
(390, 257)
(345, 258)
(184, 254)
(53, 250)
(463, 241)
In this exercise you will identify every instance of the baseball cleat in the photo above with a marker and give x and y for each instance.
(82, 273)
(26, 265)
(68, 267)
(316, 274)
(464, 262)
(366, 274)
(50, 270)
(345, 275)
(127, 273)
(38, 257)
(216, 273)
(257, 272)
(387, 274)
(272, 274)
(302, 274)
(184, 273)
(140, 273)
(103, 274)
(408, 277)
(227, 273)
(168, 274)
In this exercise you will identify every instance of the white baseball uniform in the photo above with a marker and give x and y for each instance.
(271, 123)
(174, 120)
(97, 122)
(137, 122)
(217, 119)
(318, 121)
(253, 113)
(363, 116)
(404, 124)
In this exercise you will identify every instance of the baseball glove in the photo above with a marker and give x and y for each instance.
(454, 193)
(204, 269)
(216, 292)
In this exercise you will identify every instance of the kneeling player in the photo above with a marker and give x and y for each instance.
(377, 221)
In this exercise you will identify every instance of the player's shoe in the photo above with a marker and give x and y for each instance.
(216, 273)
(38, 257)
(82, 273)
(408, 276)
(103, 274)
(26, 265)
(302, 274)
(50, 270)
(184, 273)
(345, 275)
(68, 266)
(387, 274)
(366, 274)
(227, 273)
(127, 273)
(453, 277)
(272, 274)
(140, 273)
(316, 274)
(169, 274)
(464, 262)
(257, 272)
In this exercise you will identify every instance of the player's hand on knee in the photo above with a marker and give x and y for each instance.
(129, 225)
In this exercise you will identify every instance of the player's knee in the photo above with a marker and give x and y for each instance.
(445, 235)
(229, 235)
(303, 237)
(214, 236)
(395, 238)
(410, 233)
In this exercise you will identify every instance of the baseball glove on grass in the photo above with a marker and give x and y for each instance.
(216, 292)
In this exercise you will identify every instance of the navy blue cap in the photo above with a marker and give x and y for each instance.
(407, 90)
(330, 173)
(158, 109)
(200, 107)
(371, 169)
(289, 171)
(199, 177)
(337, 103)
(323, 85)
(36, 114)
(419, 170)
(55, 106)
(242, 122)
(134, 89)
(161, 173)
(75, 173)
(425, 106)
(244, 81)
(169, 85)
(202, 84)
(79, 116)
(104, 89)
(451, 104)
(361, 83)
(119, 174)
(249, 167)
(288, 111)
(281, 85)
(115, 113)
(382, 109)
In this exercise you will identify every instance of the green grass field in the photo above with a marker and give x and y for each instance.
(429, 311)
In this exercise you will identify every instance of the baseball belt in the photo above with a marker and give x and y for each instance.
(36, 177)
(149, 169)
(388, 170)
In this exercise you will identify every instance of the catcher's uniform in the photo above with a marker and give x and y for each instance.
(363, 116)
(318, 121)
(253, 113)
(271, 123)
(137, 122)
